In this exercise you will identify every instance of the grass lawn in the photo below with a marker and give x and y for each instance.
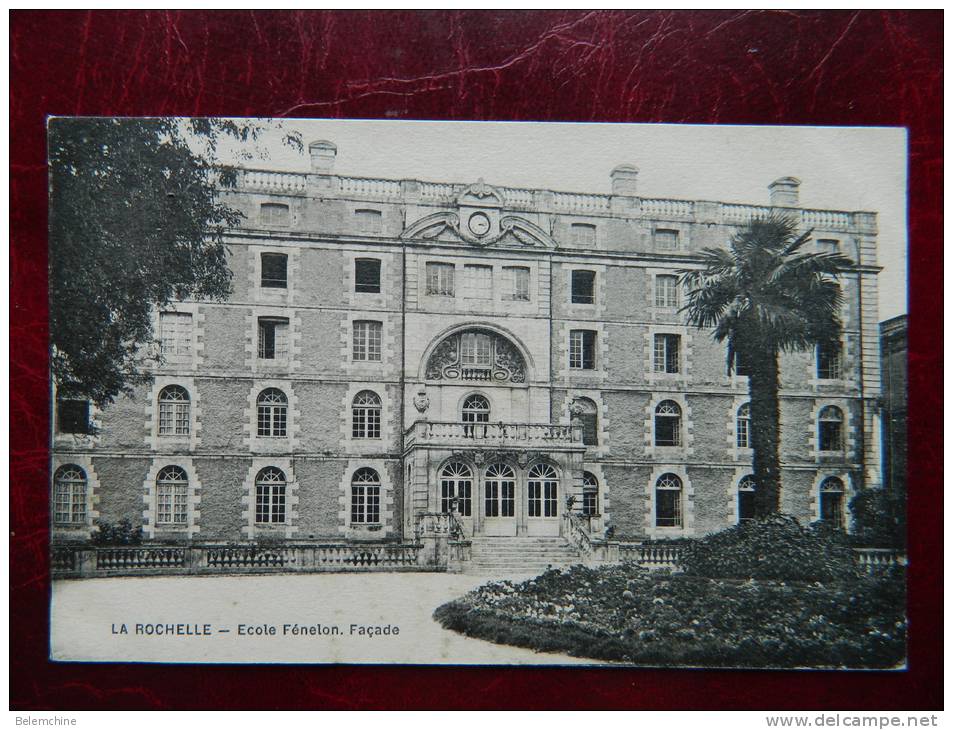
(625, 613)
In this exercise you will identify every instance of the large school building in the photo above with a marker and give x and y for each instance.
(394, 349)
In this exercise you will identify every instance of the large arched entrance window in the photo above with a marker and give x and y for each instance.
(456, 486)
(543, 487)
(499, 491)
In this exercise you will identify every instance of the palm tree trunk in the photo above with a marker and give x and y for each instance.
(763, 385)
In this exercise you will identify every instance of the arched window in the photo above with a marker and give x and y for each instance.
(586, 412)
(830, 429)
(832, 502)
(500, 491)
(590, 494)
(668, 501)
(174, 411)
(743, 427)
(270, 486)
(69, 495)
(366, 415)
(746, 489)
(668, 424)
(365, 497)
(456, 487)
(476, 409)
(172, 496)
(542, 488)
(272, 413)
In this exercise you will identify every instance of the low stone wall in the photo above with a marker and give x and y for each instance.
(75, 561)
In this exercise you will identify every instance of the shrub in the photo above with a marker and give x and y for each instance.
(776, 547)
(621, 613)
(122, 533)
(879, 519)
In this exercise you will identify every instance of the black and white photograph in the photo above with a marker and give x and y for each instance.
(477, 393)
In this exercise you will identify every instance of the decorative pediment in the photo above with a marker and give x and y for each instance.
(512, 231)
(480, 194)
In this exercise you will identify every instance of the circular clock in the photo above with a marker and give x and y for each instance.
(479, 224)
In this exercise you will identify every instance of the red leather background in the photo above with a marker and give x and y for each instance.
(767, 67)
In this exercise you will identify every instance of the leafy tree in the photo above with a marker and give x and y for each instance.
(764, 295)
(135, 222)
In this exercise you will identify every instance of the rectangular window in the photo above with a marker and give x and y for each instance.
(174, 418)
(584, 234)
(476, 350)
(367, 276)
(275, 214)
(175, 334)
(274, 271)
(590, 502)
(365, 504)
(666, 239)
(666, 356)
(582, 349)
(828, 245)
(69, 504)
(172, 507)
(590, 429)
(72, 416)
(269, 503)
(666, 291)
(367, 341)
(516, 283)
(478, 281)
(741, 366)
(272, 339)
(829, 361)
(668, 508)
(583, 287)
(368, 221)
(440, 279)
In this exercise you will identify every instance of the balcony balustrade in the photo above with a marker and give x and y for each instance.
(515, 435)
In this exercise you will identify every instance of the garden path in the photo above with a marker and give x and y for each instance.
(85, 613)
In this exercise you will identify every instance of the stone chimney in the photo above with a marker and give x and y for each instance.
(784, 192)
(625, 180)
(322, 157)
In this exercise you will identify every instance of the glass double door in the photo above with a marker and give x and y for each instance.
(501, 501)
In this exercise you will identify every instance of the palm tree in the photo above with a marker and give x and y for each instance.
(765, 296)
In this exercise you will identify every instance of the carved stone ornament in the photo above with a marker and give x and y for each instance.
(421, 401)
(506, 364)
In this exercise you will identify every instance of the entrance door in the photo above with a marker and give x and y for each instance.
(542, 487)
(499, 501)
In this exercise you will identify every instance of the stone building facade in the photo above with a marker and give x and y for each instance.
(396, 348)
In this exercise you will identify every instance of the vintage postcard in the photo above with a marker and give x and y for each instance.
(477, 393)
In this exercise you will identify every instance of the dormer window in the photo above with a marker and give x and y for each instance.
(275, 214)
(666, 239)
(584, 234)
(368, 221)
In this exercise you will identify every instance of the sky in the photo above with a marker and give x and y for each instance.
(840, 168)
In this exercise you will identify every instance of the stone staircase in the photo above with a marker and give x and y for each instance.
(506, 556)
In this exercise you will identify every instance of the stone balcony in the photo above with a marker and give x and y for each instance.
(494, 435)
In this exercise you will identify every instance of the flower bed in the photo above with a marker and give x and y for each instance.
(623, 613)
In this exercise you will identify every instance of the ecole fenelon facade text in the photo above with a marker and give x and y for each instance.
(398, 348)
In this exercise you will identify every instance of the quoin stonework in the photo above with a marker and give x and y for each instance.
(401, 357)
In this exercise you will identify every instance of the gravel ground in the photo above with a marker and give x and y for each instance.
(88, 617)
